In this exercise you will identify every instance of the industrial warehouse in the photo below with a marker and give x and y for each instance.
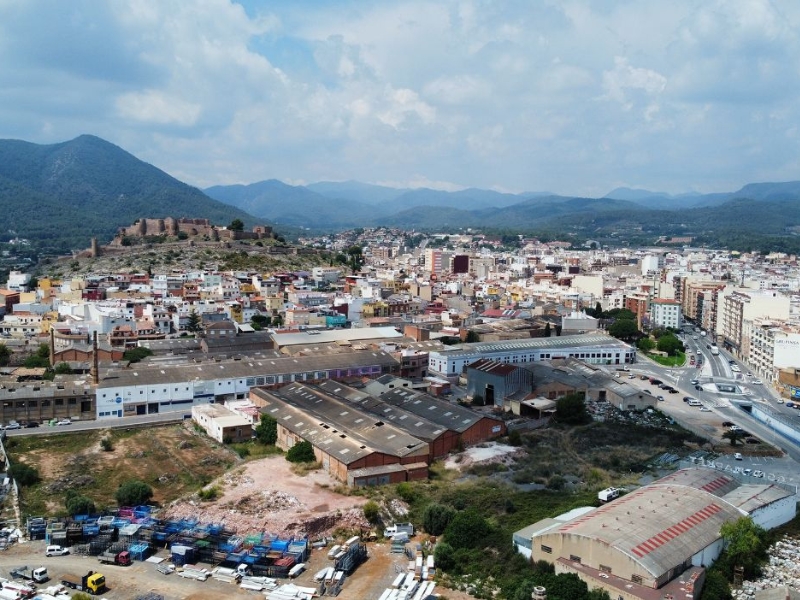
(371, 441)
(656, 541)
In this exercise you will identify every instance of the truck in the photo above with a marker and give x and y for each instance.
(108, 557)
(608, 494)
(92, 583)
(35, 574)
(392, 530)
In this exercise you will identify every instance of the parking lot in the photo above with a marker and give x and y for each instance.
(777, 469)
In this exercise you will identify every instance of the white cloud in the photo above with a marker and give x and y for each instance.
(570, 97)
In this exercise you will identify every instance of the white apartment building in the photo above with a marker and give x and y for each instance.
(665, 313)
(770, 345)
(735, 305)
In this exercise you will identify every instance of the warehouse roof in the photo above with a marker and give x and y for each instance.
(247, 367)
(443, 413)
(569, 341)
(335, 335)
(419, 427)
(659, 525)
(334, 414)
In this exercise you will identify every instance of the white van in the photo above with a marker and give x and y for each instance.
(56, 551)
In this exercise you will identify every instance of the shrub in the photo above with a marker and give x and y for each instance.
(106, 444)
(134, 493)
(210, 493)
(436, 518)
(267, 430)
(372, 512)
(23, 474)
(302, 452)
(78, 504)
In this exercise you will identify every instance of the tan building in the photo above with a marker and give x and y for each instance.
(221, 424)
(659, 539)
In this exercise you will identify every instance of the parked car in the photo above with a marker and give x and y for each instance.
(705, 409)
(13, 425)
(56, 551)
(32, 424)
(687, 398)
(758, 474)
(643, 377)
(694, 381)
(64, 422)
(747, 472)
(660, 398)
(699, 388)
(737, 456)
(790, 404)
(757, 382)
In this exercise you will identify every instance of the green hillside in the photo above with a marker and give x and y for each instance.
(59, 196)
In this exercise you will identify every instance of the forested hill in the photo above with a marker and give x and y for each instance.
(61, 195)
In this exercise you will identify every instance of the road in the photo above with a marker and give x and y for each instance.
(722, 407)
(76, 426)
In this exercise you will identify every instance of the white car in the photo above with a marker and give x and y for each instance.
(737, 456)
(13, 425)
(757, 382)
(704, 409)
(56, 551)
(64, 422)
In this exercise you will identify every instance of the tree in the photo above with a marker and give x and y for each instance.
(302, 452)
(135, 355)
(436, 518)
(23, 474)
(734, 435)
(62, 369)
(645, 344)
(547, 332)
(195, 323)
(745, 544)
(571, 410)
(670, 344)
(236, 225)
(134, 493)
(78, 504)
(267, 430)
(5, 355)
(355, 258)
(444, 555)
(716, 587)
(472, 337)
(624, 329)
(467, 529)
(372, 512)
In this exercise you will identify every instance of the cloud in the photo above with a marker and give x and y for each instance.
(570, 97)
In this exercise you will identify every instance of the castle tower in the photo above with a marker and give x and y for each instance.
(95, 250)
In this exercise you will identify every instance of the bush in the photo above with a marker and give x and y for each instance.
(467, 529)
(436, 518)
(267, 430)
(106, 444)
(372, 512)
(78, 504)
(134, 493)
(23, 474)
(406, 492)
(210, 493)
(302, 452)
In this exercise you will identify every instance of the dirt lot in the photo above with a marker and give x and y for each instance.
(265, 495)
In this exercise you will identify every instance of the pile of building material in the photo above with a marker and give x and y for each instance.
(413, 584)
(289, 591)
(783, 570)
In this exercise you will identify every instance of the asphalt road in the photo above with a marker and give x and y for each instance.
(126, 423)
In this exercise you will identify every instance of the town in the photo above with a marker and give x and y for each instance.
(404, 350)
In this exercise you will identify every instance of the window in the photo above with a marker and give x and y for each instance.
(636, 579)
(60, 402)
(547, 549)
(605, 568)
(574, 558)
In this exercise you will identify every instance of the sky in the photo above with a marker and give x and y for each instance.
(571, 97)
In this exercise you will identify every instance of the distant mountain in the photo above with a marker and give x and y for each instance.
(355, 190)
(61, 195)
(655, 200)
(293, 205)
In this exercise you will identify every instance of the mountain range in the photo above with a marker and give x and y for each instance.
(62, 194)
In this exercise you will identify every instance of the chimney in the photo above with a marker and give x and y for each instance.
(52, 346)
(95, 368)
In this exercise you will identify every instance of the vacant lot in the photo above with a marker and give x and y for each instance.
(174, 460)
